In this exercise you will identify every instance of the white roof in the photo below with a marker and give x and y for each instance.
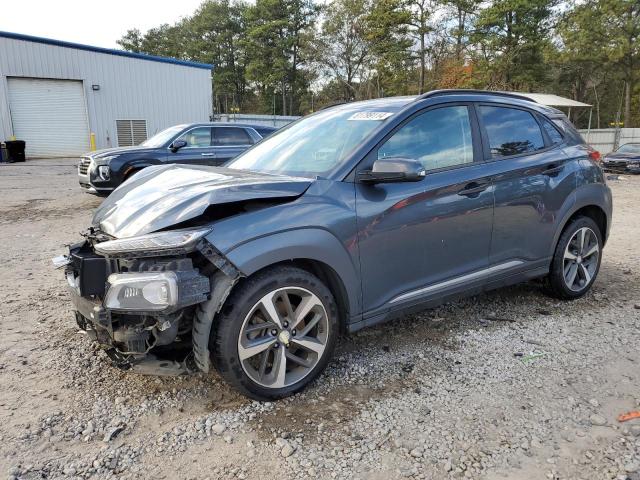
(553, 100)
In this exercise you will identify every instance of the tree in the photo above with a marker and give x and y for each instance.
(276, 33)
(343, 49)
(512, 35)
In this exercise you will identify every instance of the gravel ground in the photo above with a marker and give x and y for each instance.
(508, 385)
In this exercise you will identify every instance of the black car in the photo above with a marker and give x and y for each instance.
(194, 144)
(626, 159)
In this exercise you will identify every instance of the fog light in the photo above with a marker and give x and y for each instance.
(104, 172)
(152, 291)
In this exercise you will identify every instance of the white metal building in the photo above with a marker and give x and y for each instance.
(55, 94)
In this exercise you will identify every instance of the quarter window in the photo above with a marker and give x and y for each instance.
(438, 138)
(511, 131)
(198, 137)
(231, 137)
(552, 132)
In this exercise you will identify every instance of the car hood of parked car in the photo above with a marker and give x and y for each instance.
(622, 156)
(109, 152)
(162, 196)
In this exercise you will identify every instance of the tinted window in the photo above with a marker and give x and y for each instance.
(231, 136)
(198, 137)
(552, 131)
(511, 131)
(438, 138)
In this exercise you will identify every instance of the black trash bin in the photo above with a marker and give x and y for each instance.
(15, 149)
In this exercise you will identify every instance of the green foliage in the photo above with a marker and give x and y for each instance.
(295, 56)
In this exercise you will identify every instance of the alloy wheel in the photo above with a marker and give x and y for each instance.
(581, 257)
(283, 337)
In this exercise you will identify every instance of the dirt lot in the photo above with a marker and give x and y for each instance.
(437, 395)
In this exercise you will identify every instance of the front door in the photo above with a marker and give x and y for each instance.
(421, 239)
(199, 149)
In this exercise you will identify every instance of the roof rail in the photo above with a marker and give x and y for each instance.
(462, 91)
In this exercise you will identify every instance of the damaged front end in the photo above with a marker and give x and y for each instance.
(149, 300)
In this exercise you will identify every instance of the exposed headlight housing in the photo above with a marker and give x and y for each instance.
(148, 291)
(160, 243)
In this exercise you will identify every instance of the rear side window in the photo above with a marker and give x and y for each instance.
(231, 137)
(552, 132)
(511, 131)
(438, 138)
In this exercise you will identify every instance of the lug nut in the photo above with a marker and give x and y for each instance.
(274, 332)
(285, 324)
(276, 345)
(293, 332)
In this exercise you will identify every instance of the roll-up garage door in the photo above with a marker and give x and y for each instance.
(50, 115)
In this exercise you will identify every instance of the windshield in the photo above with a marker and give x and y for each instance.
(316, 144)
(629, 148)
(160, 138)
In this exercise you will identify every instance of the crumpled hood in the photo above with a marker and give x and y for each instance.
(165, 195)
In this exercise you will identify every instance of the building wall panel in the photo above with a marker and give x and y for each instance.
(163, 94)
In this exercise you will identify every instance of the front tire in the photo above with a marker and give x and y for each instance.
(576, 260)
(276, 333)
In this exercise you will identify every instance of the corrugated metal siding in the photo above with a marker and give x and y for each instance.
(160, 93)
(51, 114)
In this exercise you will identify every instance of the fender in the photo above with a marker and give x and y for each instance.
(586, 195)
(303, 243)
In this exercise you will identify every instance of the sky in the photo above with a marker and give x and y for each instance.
(92, 22)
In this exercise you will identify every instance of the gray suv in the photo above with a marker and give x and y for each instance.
(349, 217)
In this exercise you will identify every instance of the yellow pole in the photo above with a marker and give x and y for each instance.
(92, 141)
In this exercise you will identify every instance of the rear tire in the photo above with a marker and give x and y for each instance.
(576, 260)
(264, 344)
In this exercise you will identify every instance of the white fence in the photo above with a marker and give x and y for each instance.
(270, 120)
(604, 139)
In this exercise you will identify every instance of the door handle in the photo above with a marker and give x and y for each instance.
(208, 154)
(552, 169)
(473, 189)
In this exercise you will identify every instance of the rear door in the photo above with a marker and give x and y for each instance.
(198, 150)
(532, 178)
(229, 142)
(419, 240)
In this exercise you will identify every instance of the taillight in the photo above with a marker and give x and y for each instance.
(595, 156)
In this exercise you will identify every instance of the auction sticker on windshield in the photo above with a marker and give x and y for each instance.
(370, 116)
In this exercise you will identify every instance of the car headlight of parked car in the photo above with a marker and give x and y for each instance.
(175, 241)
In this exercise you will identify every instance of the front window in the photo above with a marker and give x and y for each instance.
(197, 137)
(315, 145)
(629, 148)
(438, 138)
(161, 138)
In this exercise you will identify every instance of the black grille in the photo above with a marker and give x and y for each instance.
(83, 166)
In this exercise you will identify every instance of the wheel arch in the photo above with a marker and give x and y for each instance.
(313, 249)
(593, 201)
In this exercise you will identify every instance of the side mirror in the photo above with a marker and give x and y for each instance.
(177, 145)
(392, 170)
